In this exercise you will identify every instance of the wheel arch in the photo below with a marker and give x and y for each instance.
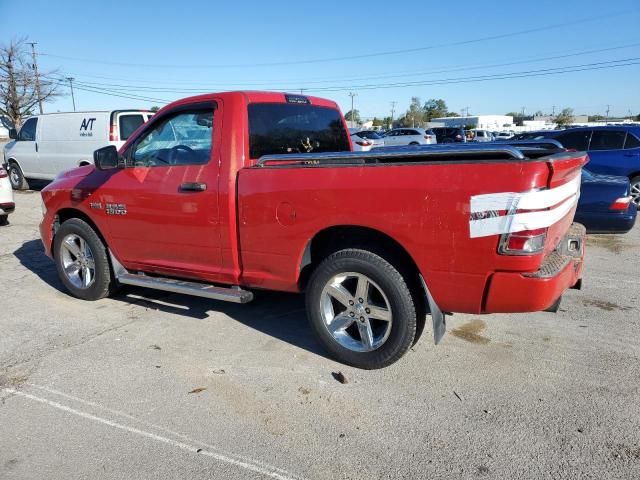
(68, 213)
(338, 237)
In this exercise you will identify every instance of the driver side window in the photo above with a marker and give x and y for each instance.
(184, 138)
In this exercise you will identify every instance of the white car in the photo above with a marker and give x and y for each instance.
(409, 136)
(504, 135)
(482, 135)
(7, 204)
(365, 140)
(52, 143)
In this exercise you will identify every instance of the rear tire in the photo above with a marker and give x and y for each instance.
(385, 313)
(4, 220)
(82, 261)
(16, 177)
(635, 191)
(414, 143)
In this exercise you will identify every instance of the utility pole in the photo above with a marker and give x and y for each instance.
(467, 111)
(393, 109)
(71, 79)
(522, 115)
(608, 106)
(553, 111)
(35, 70)
(351, 94)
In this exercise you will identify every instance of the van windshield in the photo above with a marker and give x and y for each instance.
(276, 128)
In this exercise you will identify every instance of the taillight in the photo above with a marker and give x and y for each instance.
(428, 137)
(619, 204)
(364, 143)
(3, 173)
(526, 242)
(458, 137)
(113, 134)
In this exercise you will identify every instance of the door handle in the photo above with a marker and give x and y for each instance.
(36, 147)
(193, 187)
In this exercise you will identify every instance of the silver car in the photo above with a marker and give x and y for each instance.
(409, 136)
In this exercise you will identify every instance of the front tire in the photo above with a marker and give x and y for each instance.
(16, 177)
(361, 309)
(4, 220)
(81, 260)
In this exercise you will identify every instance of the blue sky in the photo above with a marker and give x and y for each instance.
(167, 50)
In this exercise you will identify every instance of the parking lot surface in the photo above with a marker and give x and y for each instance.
(151, 385)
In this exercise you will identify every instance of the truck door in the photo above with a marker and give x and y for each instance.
(25, 150)
(162, 209)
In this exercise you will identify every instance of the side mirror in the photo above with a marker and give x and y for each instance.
(13, 134)
(106, 158)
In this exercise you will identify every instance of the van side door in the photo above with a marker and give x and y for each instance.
(25, 150)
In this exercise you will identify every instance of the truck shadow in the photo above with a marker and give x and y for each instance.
(279, 315)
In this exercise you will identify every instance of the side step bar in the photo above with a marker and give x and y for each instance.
(196, 289)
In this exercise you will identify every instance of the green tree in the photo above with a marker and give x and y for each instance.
(564, 117)
(596, 118)
(434, 108)
(352, 117)
(415, 115)
(377, 122)
(155, 108)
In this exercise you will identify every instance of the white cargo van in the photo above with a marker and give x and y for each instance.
(52, 143)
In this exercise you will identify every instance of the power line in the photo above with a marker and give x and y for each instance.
(562, 25)
(35, 71)
(445, 81)
(133, 87)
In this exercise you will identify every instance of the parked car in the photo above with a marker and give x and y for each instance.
(481, 136)
(449, 134)
(504, 135)
(365, 140)
(409, 136)
(265, 193)
(52, 143)
(613, 150)
(605, 204)
(7, 204)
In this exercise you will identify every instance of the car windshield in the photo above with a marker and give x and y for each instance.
(276, 128)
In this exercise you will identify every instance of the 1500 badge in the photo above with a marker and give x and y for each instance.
(115, 208)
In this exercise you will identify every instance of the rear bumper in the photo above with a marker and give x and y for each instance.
(6, 208)
(510, 292)
(611, 222)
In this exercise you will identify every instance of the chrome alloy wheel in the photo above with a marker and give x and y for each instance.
(78, 264)
(356, 312)
(635, 194)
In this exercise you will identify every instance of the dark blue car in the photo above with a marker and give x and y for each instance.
(613, 150)
(604, 205)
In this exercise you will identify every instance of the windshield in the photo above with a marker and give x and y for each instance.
(276, 128)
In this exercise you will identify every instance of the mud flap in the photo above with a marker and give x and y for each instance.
(438, 318)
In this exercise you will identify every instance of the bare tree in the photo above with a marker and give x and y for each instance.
(18, 93)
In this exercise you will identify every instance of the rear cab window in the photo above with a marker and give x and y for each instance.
(282, 128)
(631, 141)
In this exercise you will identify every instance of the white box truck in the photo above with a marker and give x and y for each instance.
(52, 143)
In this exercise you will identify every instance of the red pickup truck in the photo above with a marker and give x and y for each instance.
(222, 193)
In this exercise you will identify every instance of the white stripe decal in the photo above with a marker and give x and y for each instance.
(532, 200)
(520, 221)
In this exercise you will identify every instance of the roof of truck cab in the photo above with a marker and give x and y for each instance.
(254, 96)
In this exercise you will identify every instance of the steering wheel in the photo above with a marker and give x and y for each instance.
(175, 149)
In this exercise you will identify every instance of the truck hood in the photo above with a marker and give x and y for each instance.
(79, 172)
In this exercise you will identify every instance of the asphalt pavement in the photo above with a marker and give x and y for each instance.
(149, 385)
